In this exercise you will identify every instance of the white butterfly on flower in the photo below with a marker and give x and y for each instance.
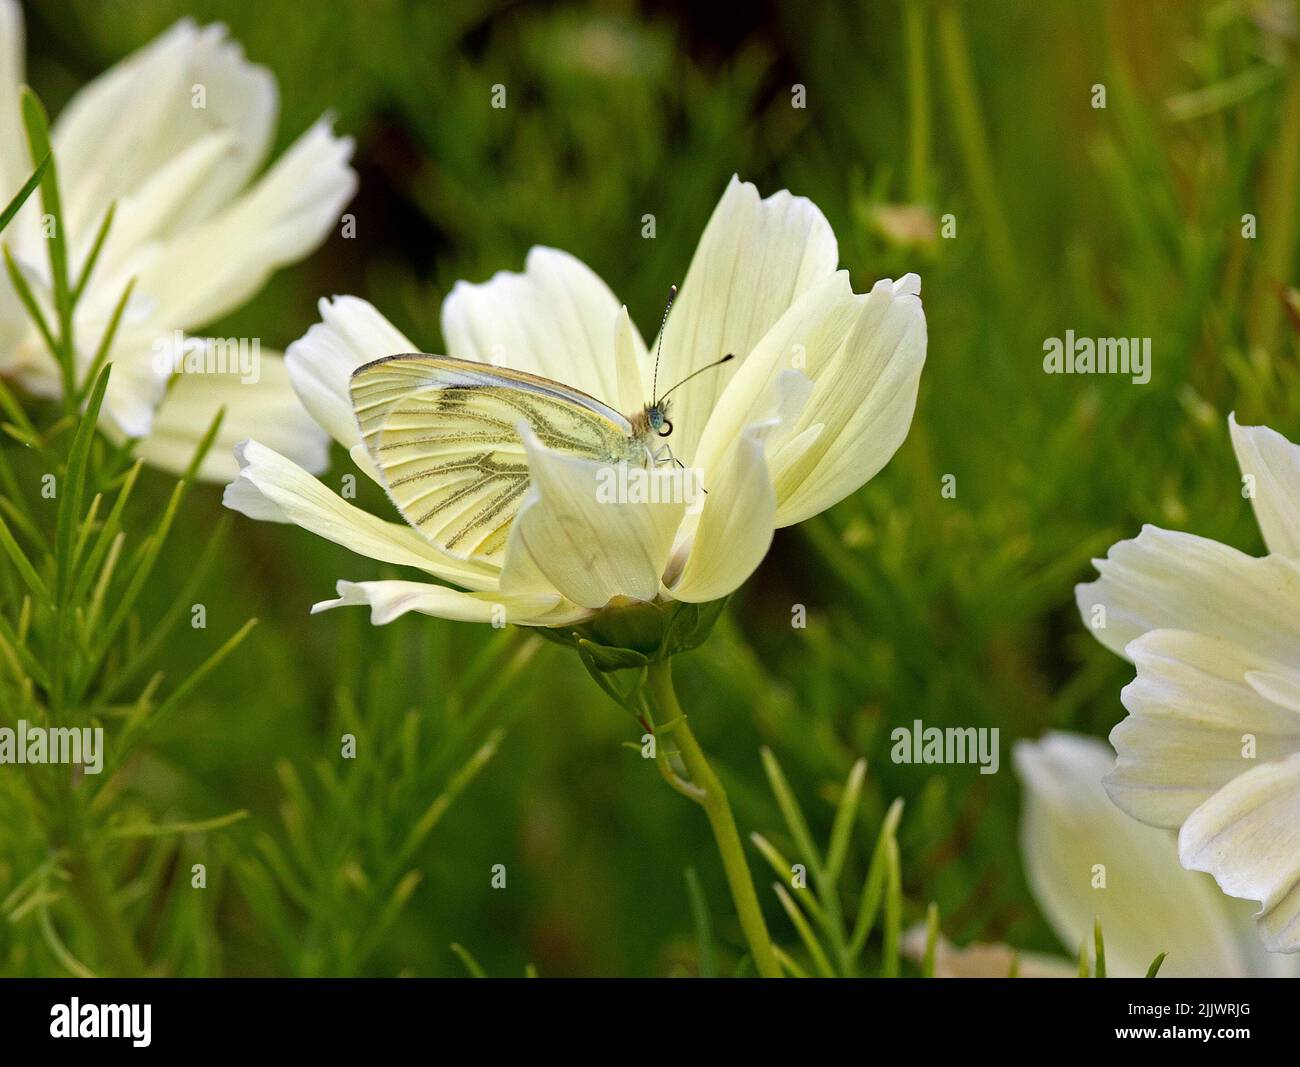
(818, 397)
(448, 437)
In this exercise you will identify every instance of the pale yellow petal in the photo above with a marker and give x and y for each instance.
(1168, 580)
(754, 260)
(1086, 860)
(1195, 722)
(557, 319)
(721, 544)
(210, 269)
(633, 390)
(735, 526)
(305, 501)
(140, 116)
(1272, 465)
(14, 160)
(863, 354)
(389, 600)
(259, 402)
(1248, 836)
(590, 541)
(351, 333)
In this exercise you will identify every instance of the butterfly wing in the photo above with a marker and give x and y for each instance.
(443, 433)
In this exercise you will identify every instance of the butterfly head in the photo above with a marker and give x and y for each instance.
(657, 417)
(652, 420)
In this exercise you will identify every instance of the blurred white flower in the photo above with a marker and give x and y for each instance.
(173, 135)
(1072, 836)
(819, 396)
(1212, 740)
(984, 960)
(1088, 861)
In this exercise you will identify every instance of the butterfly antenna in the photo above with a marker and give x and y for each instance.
(716, 363)
(659, 346)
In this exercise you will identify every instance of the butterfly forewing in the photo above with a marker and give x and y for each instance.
(444, 434)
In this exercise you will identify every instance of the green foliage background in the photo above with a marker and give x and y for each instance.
(1117, 221)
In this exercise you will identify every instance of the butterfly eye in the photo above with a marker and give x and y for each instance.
(666, 429)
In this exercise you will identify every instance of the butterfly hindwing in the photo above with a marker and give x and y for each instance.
(443, 433)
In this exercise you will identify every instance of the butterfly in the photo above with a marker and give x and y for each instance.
(443, 434)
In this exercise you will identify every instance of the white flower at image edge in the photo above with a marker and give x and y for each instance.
(174, 135)
(1211, 744)
(1087, 861)
(820, 395)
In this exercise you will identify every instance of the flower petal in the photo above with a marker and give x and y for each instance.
(1168, 580)
(350, 334)
(557, 320)
(724, 545)
(264, 407)
(984, 960)
(754, 260)
(1273, 463)
(577, 532)
(135, 389)
(13, 144)
(211, 269)
(864, 355)
(1248, 836)
(629, 362)
(1149, 904)
(1191, 710)
(390, 599)
(303, 500)
(97, 138)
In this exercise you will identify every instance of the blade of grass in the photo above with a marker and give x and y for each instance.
(893, 912)
(820, 960)
(20, 198)
(873, 891)
(193, 826)
(701, 921)
(95, 249)
(931, 940)
(784, 870)
(37, 127)
(845, 816)
(24, 565)
(471, 964)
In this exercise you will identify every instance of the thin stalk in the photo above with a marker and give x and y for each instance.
(918, 105)
(973, 139)
(1278, 225)
(713, 799)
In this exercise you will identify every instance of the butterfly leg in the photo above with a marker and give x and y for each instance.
(664, 453)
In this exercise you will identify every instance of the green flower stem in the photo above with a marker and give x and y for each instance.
(668, 713)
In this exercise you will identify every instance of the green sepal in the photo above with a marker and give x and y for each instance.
(608, 658)
(618, 643)
(630, 634)
(690, 625)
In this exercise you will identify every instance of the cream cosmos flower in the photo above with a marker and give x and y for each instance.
(819, 396)
(174, 135)
(1212, 740)
(1071, 838)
